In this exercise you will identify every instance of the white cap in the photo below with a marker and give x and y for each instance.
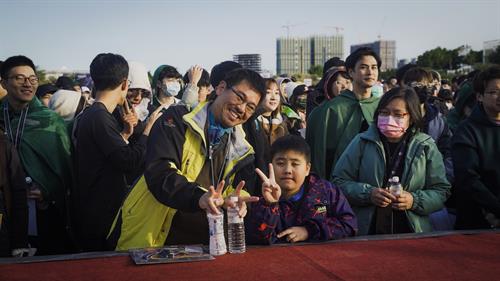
(138, 76)
(289, 87)
(395, 179)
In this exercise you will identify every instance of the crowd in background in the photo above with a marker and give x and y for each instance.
(119, 160)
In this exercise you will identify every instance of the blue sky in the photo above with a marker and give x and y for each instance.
(71, 33)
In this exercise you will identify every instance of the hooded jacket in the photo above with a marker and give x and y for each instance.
(362, 167)
(332, 127)
(476, 151)
(177, 153)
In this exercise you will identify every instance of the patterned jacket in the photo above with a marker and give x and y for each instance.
(319, 206)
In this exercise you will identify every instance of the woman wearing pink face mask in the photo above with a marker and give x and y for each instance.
(393, 146)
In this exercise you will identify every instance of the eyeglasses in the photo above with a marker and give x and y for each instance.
(21, 79)
(385, 113)
(493, 93)
(249, 107)
(132, 93)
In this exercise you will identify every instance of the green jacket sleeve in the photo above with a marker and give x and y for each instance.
(346, 172)
(436, 187)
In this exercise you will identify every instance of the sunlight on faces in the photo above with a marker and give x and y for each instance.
(20, 91)
(365, 73)
(234, 106)
(290, 170)
(272, 100)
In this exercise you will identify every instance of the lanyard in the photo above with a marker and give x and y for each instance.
(20, 126)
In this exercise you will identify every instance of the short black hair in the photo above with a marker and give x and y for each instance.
(355, 56)
(411, 99)
(482, 79)
(220, 70)
(335, 61)
(400, 73)
(65, 83)
(15, 61)
(204, 80)
(169, 72)
(291, 143)
(254, 80)
(108, 71)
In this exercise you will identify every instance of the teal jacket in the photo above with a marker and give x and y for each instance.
(361, 168)
(332, 126)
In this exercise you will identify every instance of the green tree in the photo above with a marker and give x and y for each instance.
(40, 73)
(494, 57)
(316, 70)
(439, 58)
(473, 57)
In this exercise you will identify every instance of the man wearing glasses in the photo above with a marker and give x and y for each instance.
(40, 137)
(189, 155)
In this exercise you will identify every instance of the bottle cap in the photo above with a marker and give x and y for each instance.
(395, 179)
(28, 180)
(234, 199)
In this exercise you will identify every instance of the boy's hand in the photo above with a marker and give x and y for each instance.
(271, 191)
(241, 204)
(295, 234)
(403, 202)
(211, 200)
(194, 74)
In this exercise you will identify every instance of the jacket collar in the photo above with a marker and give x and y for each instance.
(197, 121)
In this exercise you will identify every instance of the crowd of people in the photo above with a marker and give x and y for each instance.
(121, 160)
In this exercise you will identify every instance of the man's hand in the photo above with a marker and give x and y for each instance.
(241, 203)
(152, 119)
(212, 200)
(194, 74)
(35, 193)
(271, 191)
(381, 197)
(403, 202)
(130, 120)
(295, 234)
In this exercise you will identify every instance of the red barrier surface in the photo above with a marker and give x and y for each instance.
(452, 257)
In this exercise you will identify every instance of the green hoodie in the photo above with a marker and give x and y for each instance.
(361, 168)
(332, 126)
(44, 150)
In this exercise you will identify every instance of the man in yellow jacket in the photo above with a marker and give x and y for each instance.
(189, 153)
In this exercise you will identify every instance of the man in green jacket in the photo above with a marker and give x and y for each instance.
(41, 138)
(348, 114)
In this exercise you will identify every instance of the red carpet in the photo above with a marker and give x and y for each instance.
(453, 257)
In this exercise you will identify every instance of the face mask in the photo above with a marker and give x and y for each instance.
(391, 127)
(171, 89)
(449, 105)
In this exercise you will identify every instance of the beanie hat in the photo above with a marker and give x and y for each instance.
(138, 76)
(333, 62)
(220, 70)
(45, 89)
(65, 103)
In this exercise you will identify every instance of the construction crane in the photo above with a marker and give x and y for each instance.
(337, 28)
(287, 27)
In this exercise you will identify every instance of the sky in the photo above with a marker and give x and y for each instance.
(68, 34)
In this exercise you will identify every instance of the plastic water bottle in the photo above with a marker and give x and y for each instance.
(216, 231)
(235, 229)
(395, 187)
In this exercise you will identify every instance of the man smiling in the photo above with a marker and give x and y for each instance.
(189, 154)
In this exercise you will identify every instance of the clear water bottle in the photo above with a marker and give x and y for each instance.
(216, 232)
(235, 229)
(395, 187)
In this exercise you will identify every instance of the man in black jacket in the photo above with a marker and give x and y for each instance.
(475, 151)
